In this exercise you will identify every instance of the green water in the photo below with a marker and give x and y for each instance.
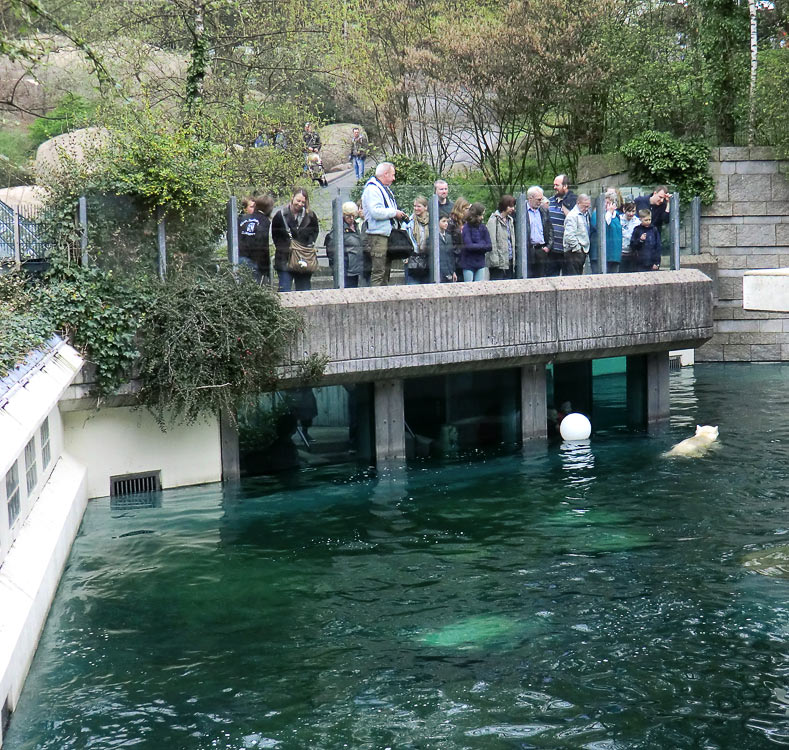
(601, 598)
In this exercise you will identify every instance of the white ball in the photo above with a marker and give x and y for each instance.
(575, 427)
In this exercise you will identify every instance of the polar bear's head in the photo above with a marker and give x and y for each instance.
(707, 431)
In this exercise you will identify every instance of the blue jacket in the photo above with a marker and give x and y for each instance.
(613, 239)
(647, 253)
(476, 242)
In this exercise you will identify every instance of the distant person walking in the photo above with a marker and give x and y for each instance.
(294, 231)
(358, 152)
(381, 213)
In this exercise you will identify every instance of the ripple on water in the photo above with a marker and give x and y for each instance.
(596, 598)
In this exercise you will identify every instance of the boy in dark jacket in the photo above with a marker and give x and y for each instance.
(253, 229)
(446, 251)
(645, 244)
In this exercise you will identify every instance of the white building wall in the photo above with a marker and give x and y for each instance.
(120, 440)
(23, 410)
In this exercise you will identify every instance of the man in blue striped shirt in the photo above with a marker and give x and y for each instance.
(562, 202)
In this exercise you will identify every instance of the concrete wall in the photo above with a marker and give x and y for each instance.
(121, 440)
(746, 227)
(369, 334)
(30, 573)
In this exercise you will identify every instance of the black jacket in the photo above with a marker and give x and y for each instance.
(253, 232)
(305, 234)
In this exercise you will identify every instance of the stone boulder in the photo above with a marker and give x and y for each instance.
(336, 140)
(29, 199)
(76, 145)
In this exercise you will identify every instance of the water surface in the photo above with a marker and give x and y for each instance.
(592, 597)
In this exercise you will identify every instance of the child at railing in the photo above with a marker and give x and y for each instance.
(645, 244)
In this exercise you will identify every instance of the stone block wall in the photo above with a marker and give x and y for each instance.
(746, 227)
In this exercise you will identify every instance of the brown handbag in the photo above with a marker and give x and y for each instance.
(302, 259)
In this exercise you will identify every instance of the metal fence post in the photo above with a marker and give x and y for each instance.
(83, 223)
(232, 231)
(600, 227)
(521, 255)
(435, 251)
(674, 234)
(162, 242)
(17, 239)
(695, 225)
(338, 238)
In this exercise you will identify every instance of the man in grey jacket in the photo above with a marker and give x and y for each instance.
(577, 236)
(380, 212)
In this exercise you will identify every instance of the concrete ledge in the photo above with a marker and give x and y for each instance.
(766, 289)
(404, 331)
(30, 573)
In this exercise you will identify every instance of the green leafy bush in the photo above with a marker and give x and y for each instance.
(22, 328)
(656, 157)
(99, 312)
(209, 342)
(72, 112)
(772, 115)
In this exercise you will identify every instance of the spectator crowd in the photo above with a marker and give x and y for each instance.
(560, 232)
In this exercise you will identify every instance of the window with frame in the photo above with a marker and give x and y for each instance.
(45, 450)
(31, 466)
(12, 493)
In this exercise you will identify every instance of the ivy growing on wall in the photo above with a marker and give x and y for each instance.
(659, 158)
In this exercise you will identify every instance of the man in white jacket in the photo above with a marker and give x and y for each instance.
(577, 237)
(380, 210)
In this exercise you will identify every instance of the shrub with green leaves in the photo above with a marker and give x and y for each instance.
(72, 112)
(772, 116)
(99, 312)
(656, 157)
(22, 327)
(209, 341)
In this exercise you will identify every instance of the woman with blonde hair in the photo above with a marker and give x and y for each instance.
(354, 254)
(417, 265)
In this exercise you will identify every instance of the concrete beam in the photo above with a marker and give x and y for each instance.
(406, 331)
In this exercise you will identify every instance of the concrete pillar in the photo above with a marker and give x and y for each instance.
(534, 406)
(648, 388)
(389, 421)
(658, 406)
(228, 446)
(572, 381)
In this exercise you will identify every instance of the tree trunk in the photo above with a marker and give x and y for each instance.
(754, 69)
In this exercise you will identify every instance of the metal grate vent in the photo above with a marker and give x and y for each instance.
(134, 484)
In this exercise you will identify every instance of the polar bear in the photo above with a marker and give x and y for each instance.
(698, 445)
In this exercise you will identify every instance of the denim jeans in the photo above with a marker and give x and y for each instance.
(302, 281)
(358, 167)
(474, 275)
